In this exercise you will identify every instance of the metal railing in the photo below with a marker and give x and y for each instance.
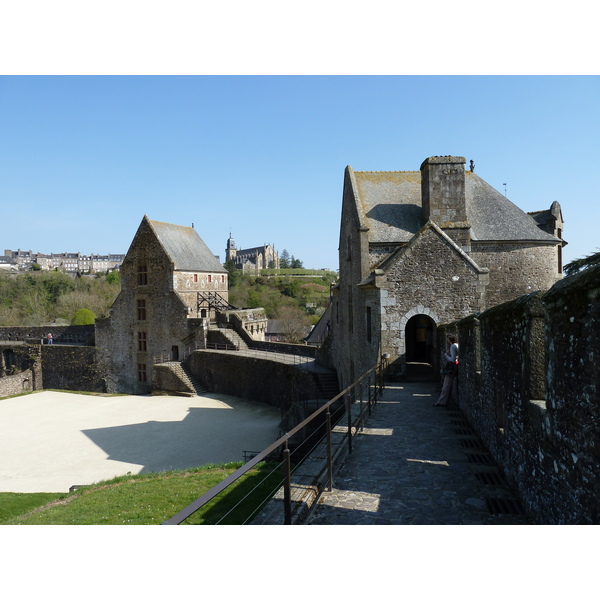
(372, 381)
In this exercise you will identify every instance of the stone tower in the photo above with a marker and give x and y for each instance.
(230, 251)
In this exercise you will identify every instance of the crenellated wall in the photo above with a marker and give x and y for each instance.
(529, 383)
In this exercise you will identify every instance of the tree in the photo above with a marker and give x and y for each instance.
(580, 264)
(113, 277)
(295, 325)
(284, 260)
(234, 273)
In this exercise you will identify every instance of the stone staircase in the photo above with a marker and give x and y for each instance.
(181, 381)
(221, 336)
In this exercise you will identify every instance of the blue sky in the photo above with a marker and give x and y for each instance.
(83, 158)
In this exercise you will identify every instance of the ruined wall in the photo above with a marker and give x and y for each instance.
(529, 384)
(26, 368)
(20, 369)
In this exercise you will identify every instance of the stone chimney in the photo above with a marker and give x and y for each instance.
(443, 197)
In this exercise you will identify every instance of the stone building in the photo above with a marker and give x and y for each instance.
(171, 288)
(420, 248)
(252, 259)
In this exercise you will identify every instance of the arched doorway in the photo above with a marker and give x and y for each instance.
(420, 339)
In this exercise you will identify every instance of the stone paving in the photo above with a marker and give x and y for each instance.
(416, 464)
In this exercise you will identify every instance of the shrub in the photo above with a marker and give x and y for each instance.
(84, 316)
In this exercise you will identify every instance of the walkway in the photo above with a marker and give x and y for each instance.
(416, 464)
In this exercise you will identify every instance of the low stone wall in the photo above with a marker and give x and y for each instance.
(529, 383)
(297, 349)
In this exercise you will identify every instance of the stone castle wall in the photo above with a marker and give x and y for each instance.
(529, 383)
(256, 379)
(63, 334)
(72, 368)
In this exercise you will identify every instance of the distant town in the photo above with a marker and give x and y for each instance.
(70, 262)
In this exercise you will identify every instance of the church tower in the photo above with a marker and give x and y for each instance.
(230, 251)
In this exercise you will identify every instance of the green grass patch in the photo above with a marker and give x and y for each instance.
(150, 499)
(12, 505)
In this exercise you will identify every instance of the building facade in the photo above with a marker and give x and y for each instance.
(171, 288)
(420, 248)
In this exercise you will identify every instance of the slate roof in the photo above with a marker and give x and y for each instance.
(390, 203)
(186, 248)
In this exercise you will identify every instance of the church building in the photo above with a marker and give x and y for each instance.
(252, 259)
(422, 248)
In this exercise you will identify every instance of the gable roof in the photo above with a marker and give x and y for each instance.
(390, 204)
(185, 248)
(402, 251)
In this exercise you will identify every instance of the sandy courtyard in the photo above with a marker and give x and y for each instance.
(50, 441)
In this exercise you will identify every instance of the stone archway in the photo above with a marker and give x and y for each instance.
(418, 333)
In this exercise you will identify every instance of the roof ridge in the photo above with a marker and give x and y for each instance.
(387, 171)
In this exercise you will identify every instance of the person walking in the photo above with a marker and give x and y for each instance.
(450, 370)
(49, 338)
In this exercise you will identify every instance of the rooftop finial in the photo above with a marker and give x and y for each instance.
(472, 165)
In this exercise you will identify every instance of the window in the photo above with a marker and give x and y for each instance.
(141, 338)
(209, 278)
(142, 274)
(222, 278)
(195, 278)
(142, 373)
(141, 309)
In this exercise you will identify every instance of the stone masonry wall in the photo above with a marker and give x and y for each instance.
(64, 334)
(516, 269)
(529, 384)
(72, 368)
(458, 290)
(256, 379)
(20, 369)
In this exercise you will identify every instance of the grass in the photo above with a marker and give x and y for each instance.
(149, 499)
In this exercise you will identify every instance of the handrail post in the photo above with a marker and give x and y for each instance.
(329, 453)
(371, 391)
(360, 398)
(349, 409)
(287, 486)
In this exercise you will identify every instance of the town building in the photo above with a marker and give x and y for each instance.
(422, 248)
(69, 262)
